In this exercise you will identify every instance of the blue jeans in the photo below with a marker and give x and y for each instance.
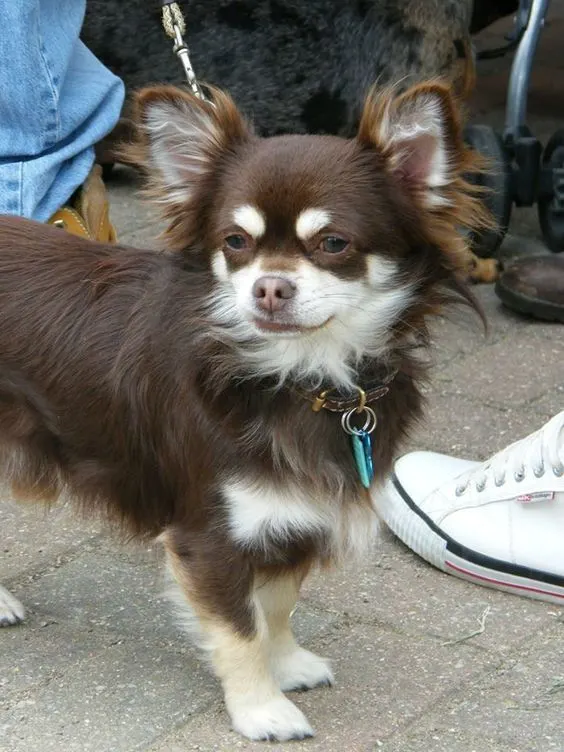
(56, 101)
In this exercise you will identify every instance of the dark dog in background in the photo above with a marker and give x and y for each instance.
(292, 66)
(174, 390)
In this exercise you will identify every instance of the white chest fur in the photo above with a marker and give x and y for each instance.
(260, 513)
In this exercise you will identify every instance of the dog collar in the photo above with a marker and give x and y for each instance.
(338, 401)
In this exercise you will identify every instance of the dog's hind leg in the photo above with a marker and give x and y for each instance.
(217, 584)
(294, 668)
(11, 610)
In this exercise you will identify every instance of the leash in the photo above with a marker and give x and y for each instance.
(174, 26)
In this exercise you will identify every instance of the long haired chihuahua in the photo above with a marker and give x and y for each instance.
(240, 396)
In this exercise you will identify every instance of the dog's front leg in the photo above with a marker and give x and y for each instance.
(219, 588)
(294, 668)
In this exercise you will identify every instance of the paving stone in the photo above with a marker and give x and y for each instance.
(550, 403)
(121, 699)
(32, 536)
(513, 371)
(127, 211)
(397, 588)
(383, 680)
(123, 592)
(142, 237)
(136, 220)
(455, 423)
(34, 653)
(462, 332)
(518, 707)
(447, 741)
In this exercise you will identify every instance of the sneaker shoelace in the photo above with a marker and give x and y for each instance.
(541, 452)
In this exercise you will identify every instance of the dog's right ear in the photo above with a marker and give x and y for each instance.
(181, 138)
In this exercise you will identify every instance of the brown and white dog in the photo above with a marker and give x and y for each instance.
(175, 390)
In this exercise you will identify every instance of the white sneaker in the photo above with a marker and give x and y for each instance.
(498, 523)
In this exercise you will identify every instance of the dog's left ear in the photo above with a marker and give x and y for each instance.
(418, 133)
(182, 138)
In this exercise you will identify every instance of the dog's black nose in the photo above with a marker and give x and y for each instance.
(271, 293)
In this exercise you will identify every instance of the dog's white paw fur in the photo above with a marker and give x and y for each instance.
(11, 610)
(277, 719)
(301, 670)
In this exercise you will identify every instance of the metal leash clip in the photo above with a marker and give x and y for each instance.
(175, 27)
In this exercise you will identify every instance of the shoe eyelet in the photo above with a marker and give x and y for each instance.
(558, 471)
(480, 486)
(499, 482)
(520, 475)
(460, 490)
(538, 471)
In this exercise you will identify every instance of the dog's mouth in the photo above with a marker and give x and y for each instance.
(281, 327)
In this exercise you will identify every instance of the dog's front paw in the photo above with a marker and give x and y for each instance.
(301, 670)
(277, 720)
(11, 610)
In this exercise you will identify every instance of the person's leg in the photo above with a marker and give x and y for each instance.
(56, 101)
(499, 523)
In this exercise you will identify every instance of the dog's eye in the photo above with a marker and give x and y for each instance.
(236, 242)
(333, 244)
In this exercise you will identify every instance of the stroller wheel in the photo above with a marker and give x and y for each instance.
(550, 204)
(497, 180)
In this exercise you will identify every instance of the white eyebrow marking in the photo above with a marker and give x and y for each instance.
(311, 221)
(250, 219)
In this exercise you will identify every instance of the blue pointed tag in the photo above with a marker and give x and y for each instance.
(362, 451)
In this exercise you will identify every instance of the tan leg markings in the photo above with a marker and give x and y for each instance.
(293, 667)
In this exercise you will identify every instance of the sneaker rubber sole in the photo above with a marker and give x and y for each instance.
(412, 526)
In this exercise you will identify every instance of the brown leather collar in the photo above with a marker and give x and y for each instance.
(339, 402)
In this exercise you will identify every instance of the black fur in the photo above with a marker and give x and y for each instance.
(291, 65)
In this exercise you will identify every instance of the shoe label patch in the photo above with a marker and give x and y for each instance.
(534, 497)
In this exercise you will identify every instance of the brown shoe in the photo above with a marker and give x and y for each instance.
(87, 214)
(535, 286)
